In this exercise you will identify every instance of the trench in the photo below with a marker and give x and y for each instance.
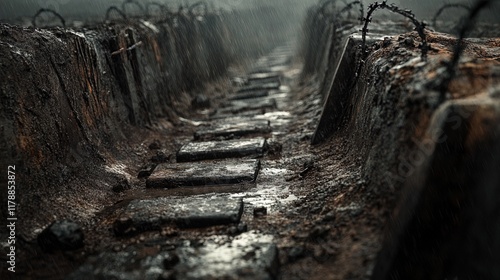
(227, 145)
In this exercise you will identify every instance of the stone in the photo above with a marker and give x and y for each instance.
(235, 128)
(242, 228)
(200, 101)
(203, 173)
(238, 81)
(248, 256)
(160, 157)
(170, 261)
(259, 211)
(146, 170)
(329, 217)
(221, 149)
(121, 186)
(187, 212)
(155, 145)
(295, 253)
(235, 230)
(61, 235)
(249, 95)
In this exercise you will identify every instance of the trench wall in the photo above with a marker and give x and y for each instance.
(69, 98)
(423, 160)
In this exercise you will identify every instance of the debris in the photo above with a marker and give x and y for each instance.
(295, 253)
(200, 101)
(122, 50)
(160, 157)
(61, 235)
(155, 145)
(259, 211)
(146, 170)
(121, 186)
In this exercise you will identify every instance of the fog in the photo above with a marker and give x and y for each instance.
(12, 9)
(427, 8)
(81, 9)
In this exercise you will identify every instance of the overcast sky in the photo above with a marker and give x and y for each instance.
(10, 9)
(16, 8)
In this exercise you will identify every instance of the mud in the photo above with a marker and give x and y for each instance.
(382, 195)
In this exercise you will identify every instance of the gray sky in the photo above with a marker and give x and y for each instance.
(15, 8)
(10, 9)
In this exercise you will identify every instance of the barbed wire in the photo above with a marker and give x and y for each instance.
(349, 6)
(447, 6)
(116, 9)
(135, 3)
(45, 10)
(451, 66)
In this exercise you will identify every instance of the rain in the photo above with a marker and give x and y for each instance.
(234, 139)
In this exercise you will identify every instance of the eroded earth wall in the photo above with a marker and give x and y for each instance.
(70, 98)
(430, 162)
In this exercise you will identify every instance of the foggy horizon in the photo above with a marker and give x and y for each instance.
(94, 9)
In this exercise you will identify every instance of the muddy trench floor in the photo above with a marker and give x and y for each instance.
(324, 218)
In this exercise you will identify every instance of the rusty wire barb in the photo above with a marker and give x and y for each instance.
(451, 66)
(44, 10)
(122, 50)
(349, 7)
(447, 6)
(135, 3)
(114, 8)
(419, 26)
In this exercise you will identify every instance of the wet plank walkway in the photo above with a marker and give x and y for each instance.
(228, 151)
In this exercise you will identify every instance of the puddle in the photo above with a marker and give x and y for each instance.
(271, 197)
(270, 171)
(250, 255)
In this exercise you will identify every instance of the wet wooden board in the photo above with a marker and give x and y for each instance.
(238, 106)
(268, 86)
(245, 114)
(192, 174)
(257, 81)
(191, 212)
(260, 76)
(221, 149)
(249, 95)
(248, 256)
(236, 128)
